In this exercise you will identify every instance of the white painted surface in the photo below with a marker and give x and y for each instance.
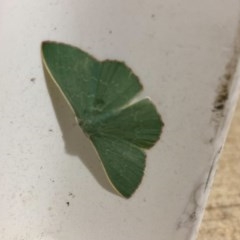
(179, 49)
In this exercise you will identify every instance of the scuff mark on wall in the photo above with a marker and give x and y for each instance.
(192, 209)
(223, 90)
(191, 216)
(212, 168)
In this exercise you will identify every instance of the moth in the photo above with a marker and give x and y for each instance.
(100, 94)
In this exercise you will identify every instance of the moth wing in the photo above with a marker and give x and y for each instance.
(75, 73)
(139, 124)
(123, 162)
(89, 85)
(117, 85)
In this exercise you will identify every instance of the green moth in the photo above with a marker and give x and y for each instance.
(99, 93)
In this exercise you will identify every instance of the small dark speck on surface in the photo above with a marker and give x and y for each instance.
(153, 16)
(50, 130)
(68, 204)
(33, 79)
(211, 140)
(228, 76)
(110, 31)
(193, 216)
(71, 195)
